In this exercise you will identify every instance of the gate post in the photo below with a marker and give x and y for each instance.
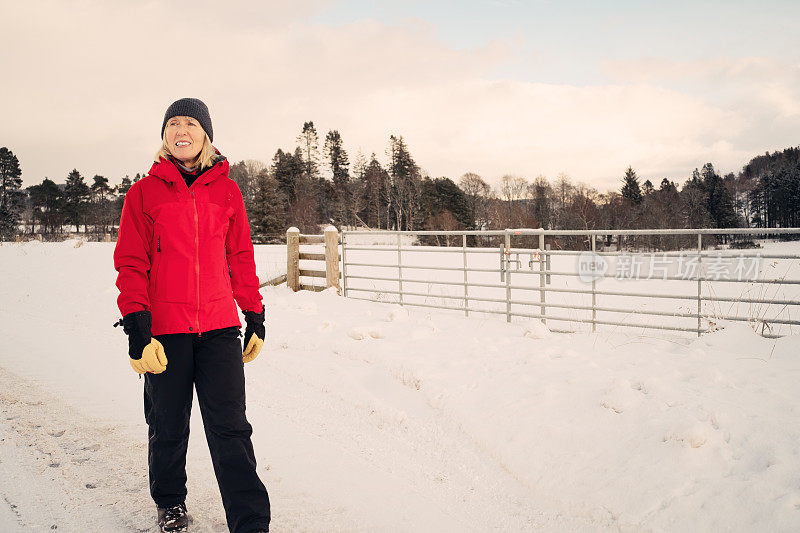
(293, 258)
(332, 258)
(594, 286)
(542, 265)
(508, 276)
(699, 283)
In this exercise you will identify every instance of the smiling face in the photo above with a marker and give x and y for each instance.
(184, 138)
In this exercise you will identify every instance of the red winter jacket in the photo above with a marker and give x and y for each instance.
(184, 253)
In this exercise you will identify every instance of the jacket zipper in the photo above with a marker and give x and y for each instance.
(158, 246)
(196, 263)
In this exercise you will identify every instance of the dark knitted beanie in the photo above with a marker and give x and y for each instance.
(190, 107)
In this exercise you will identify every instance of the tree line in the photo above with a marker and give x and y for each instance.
(315, 183)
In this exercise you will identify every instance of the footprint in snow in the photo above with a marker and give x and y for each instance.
(328, 325)
(693, 436)
(361, 333)
(622, 395)
(398, 314)
(307, 308)
(536, 330)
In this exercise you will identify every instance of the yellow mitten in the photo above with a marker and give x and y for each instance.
(253, 349)
(153, 359)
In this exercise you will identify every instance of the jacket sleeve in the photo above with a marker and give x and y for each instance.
(132, 255)
(241, 258)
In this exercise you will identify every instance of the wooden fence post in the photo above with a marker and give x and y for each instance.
(293, 258)
(332, 258)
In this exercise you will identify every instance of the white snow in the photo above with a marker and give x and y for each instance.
(374, 417)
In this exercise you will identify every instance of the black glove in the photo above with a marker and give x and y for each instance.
(137, 326)
(255, 324)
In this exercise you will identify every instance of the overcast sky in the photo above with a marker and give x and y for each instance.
(494, 87)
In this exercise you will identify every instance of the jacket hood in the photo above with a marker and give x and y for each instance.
(167, 170)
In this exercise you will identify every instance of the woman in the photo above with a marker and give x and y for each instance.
(185, 259)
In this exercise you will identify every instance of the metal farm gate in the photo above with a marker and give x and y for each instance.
(683, 280)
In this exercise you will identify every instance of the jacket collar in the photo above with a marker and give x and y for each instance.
(167, 170)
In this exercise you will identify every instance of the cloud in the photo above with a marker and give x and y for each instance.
(89, 82)
(764, 93)
(591, 133)
(755, 85)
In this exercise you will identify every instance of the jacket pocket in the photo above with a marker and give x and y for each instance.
(174, 275)
(156, 266)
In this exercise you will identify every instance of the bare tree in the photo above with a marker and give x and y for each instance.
(253, 169)
(477, 192)
(563, 191)
(583, 211)
(512, 189)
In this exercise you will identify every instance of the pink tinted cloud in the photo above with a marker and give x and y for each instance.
(88, 72)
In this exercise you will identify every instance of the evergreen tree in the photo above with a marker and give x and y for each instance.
(48, 205)
(659, 211)
(338, 163)
(647, 188)
(125, 186)
(299, 192)
(357, 185)
(308, 141)
(325, 201)
(442, 194)
(238, 173)
(121, 191)
(101, 204)
(630, 187)
(374, 195)
(360, 165)
(288, 171)
(11, 198)
(719, 202)
(100, 188)
(541, 193)
(76, 196)
(694, 203)
(404, 188)
(667, 186)
(771, 185)
(268, 212)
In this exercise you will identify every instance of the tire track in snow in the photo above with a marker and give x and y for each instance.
(66, 471)
(62, 470)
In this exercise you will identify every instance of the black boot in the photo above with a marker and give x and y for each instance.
(173, 518)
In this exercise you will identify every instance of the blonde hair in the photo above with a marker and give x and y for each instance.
(205, 159)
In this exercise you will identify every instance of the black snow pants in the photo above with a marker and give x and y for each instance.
(212, 363)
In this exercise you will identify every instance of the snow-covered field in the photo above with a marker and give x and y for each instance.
(372, 417)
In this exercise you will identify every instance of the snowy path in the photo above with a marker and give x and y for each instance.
(56, 469)
(64, 469)
(370, 418)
